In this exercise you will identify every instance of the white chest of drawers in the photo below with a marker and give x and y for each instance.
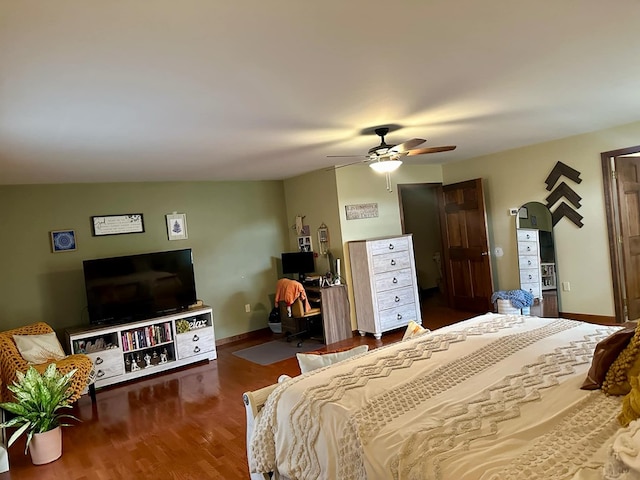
(529, 261)
(385, 286)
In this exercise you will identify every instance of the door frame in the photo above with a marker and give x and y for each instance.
(437, 186)
(613, 226)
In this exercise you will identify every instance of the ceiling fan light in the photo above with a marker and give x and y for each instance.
(386, 166)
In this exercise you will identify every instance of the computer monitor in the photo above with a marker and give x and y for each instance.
(298, 262)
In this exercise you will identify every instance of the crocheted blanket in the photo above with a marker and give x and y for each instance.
(519, 298)
(489, 398)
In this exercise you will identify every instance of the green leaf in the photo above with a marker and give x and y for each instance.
(38, 400)
(17, 434)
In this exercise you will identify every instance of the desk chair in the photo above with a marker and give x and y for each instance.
(296, 323)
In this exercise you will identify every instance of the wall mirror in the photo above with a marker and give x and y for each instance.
(537, 257)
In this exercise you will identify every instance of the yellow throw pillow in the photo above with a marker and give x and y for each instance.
(311, 361)
(627, 365)
(39, 348)
(413, 330)
(630, 404)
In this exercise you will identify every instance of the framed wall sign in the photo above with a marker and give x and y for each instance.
(117, 224)
(363, 210)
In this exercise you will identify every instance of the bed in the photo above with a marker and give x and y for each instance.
(492, 397)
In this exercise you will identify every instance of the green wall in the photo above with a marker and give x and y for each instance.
(237, 231)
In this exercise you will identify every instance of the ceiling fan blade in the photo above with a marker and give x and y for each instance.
(408, 145)
(335, 167)
(422, 151)
(347, 156)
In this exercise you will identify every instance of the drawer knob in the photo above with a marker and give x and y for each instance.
(530, 276)
(393, 262)
(196, 350)
(399, 316)
(528, 249)
(528, 236)
(397, 299)
(529, 262)
(395, 280)
(196, 338)
(391, 247)
(99, 361)
(100, 374)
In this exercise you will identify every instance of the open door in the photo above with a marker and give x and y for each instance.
(628, 185)
(466, 246)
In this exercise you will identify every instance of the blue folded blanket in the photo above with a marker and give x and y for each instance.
(519, 298)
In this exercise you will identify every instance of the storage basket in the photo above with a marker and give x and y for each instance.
(275, 327)
(505, 308)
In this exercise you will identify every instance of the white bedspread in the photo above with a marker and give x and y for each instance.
(494, 397)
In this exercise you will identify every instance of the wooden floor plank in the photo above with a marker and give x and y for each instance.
(183, 425)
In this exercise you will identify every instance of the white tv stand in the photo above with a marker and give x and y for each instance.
(132, 350)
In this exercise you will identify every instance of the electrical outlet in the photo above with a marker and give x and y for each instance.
(566, 287)
(513, 211)
(247, 308)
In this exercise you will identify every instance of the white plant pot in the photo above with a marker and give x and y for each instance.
(46, 447)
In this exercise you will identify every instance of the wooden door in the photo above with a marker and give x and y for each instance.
(466, 247)
(628, 187)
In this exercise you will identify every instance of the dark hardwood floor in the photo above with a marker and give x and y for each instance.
(182, 425)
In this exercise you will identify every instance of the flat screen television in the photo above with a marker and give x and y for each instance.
(299, 263)
(136, 287)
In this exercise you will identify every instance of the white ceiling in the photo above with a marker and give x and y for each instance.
(139, 90)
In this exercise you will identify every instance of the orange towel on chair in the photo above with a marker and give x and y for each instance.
(288, 290)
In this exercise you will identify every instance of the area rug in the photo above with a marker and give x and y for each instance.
(276, 351)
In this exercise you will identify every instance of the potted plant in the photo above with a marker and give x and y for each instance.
(36, 411)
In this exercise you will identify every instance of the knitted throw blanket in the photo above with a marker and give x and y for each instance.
(519, 298)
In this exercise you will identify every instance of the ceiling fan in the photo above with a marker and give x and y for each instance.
(385, 158)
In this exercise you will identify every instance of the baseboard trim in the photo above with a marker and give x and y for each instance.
(255, 334)
(599, 319)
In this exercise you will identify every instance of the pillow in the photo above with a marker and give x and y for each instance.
(311, 361)
(413, 330)
(606, 352)
(626, 365)
(630, 404)
(39, 348)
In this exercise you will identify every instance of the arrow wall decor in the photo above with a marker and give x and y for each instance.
(563, 190)
(565, 210)
(559, 170)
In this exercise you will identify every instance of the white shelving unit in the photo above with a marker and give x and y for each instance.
(128, 351)
(548, 275)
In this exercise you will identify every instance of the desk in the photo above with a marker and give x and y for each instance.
(334, 304)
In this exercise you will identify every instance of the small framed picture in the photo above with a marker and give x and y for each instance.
(523, 212)
(177, 226)
(63, 241)
(304, 244)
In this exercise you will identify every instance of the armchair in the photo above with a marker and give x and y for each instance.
(11, 362)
